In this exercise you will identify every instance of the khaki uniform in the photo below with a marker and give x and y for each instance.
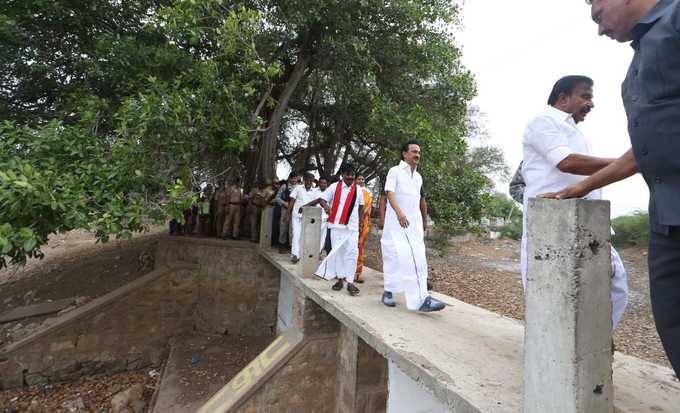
(220, 211)
(232, 220)
(258, 201)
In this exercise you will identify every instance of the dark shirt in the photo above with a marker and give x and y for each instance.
(651, 96)
(517, 185)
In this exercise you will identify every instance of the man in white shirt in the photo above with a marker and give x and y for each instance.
(344, 205)
(556, 154)
(403, 237)
(301, 196)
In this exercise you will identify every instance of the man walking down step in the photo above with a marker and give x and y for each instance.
(651, 97)
(557, 154)
(344, 204)
(403, 237)
(301, 196)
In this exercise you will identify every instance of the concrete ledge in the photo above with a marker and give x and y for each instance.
(469, 358)
(96, 305)
(211, 241)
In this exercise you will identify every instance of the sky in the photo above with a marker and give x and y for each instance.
(518, 49)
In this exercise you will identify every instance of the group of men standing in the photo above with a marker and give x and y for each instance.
(557, 156)
(219, 213)
(346, 224)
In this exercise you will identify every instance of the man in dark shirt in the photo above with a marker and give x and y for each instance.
(651, 96)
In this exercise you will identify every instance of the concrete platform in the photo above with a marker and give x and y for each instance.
(469, 358)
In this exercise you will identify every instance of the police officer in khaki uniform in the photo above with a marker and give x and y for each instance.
(259, 198)
(232, 220)
(220, 208)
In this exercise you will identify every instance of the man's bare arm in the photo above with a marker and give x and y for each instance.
(392, 198)
(423, 211)
(579, 164)
(620, 169)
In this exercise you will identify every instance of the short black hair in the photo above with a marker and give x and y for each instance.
(308, 175)
(405, 146)
(566, 85)
(323, 178)
(346, 167)
(293, 175)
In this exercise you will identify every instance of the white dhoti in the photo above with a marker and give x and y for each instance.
(619, 288)
(619, 283)
(342, 261)
(296, 226)
(405, 265)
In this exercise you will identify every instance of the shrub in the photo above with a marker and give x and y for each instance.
(631, 229)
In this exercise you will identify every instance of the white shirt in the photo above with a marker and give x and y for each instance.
(302, 197)
(548, 139)
(353, 222)
(406, 185)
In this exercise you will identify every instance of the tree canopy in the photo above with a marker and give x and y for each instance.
(113, 111)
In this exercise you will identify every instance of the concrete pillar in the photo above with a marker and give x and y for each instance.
(346, 389)
(361, 376)
(567, 341)
(310, 239)
(266, 227)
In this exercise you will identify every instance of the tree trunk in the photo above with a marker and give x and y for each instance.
(267, 163)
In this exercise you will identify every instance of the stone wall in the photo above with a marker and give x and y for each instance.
(124, 330)
(237, 291)
(204, 285)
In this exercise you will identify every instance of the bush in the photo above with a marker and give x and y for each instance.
(512, 230)
(631, 229)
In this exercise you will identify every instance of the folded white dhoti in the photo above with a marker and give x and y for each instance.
(342, 261)
(405, 265)
(619, 288)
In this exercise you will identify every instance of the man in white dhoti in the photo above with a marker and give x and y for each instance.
(557, 154)
(299, 197)
(403, 237)
(344, 205)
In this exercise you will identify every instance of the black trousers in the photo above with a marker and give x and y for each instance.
(664, 282)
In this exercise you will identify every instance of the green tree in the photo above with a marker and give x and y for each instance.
(114, 111)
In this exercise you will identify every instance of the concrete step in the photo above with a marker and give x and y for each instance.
(200, 365)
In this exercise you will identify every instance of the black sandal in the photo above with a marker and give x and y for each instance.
(352, 289)
(338, 285)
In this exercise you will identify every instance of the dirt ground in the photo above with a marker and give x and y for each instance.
(90, 394)
(486, 273)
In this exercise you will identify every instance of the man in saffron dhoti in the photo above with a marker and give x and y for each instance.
(344, 203)
(366, 220)
(403, 237)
